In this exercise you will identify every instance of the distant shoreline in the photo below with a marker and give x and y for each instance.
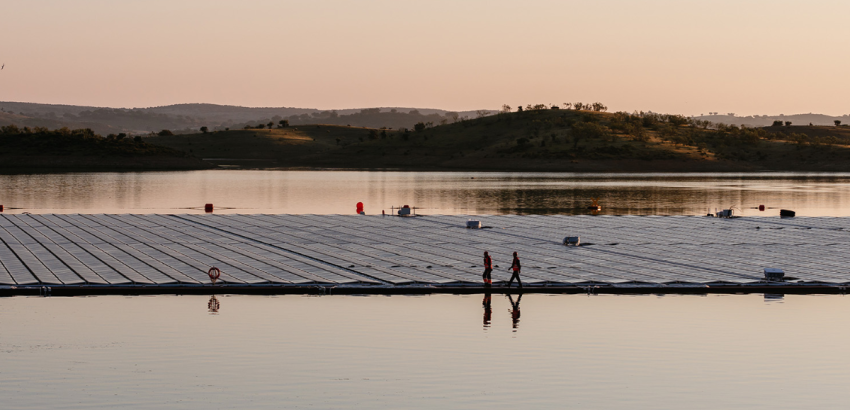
(610, 166)
(18, 165)
(58, 163)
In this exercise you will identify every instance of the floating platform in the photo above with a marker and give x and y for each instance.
(70, 254)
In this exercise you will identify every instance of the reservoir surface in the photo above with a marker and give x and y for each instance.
(650, 351)
(425, 352)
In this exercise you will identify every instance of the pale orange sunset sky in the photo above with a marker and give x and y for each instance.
(687, 57)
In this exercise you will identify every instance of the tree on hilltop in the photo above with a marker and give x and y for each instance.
(204, 129)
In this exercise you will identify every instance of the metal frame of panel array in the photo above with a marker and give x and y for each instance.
(373, 251)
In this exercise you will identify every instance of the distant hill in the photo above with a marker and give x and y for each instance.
(537, 140)
(767, 120)
(825, 134)
(188, 118)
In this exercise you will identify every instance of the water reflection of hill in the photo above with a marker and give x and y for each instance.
(337, 192)
(675, 195)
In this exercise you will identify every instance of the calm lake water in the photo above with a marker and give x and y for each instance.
(425, 352)
(439, 351)
(337, 192)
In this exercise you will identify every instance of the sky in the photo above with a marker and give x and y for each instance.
(675, 56)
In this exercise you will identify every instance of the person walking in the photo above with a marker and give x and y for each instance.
(488, 267)
(515, 266)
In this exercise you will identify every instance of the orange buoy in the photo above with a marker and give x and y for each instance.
(208, 208)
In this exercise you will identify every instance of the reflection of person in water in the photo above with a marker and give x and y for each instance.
(488, 311)
(515, 309)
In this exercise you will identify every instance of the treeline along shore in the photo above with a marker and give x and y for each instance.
(583, 138)
(61, 149)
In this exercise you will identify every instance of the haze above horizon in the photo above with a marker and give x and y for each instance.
(687, 57)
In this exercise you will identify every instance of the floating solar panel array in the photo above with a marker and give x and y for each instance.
(293, 250)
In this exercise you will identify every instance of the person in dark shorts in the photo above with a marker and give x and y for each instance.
(515, 267)
(488, 267)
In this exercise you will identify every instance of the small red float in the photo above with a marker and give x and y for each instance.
(208, 208)
(214, 273)
(1, 208)
(761, 207)
(359, 208)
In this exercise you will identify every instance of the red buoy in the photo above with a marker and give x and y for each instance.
(208, 208)
(1, 208)
(761, 207)
(359, 208)
(214, 274)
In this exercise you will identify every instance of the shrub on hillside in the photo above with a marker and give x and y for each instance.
(587, 131)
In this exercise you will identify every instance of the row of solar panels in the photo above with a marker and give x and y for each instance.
(289, 249)
(108, 249)
(437, 242)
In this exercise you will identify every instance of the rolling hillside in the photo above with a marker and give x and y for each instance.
(189, 118)
(539, 140)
